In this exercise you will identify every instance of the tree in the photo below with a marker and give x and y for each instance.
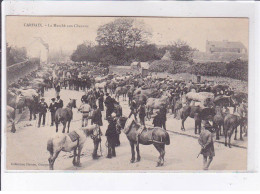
(15, 54)
(181, 51)
(121, 36)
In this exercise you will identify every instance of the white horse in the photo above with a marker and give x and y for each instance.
(62, 142)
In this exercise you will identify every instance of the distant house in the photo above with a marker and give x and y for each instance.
(225, 47)
(144, 68)
(135, 65)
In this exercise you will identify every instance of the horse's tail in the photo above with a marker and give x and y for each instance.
(50, 146)
(167, 139)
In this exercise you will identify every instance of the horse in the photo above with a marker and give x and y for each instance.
(63, 142)
(155, 103)
(65, 115)
(154, 135)
(121, 91)
(197, 113)
(218, 121)
(231, 122)
(10, 113)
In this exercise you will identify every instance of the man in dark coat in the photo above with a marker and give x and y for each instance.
(42, 108)
(57, 89)
(163, 113)
(97, 120)
(157, 121)
(133, 109)
(53, 108)
(59, 102)
(101, 101)
(119, 113)
(84, 98)
(111, 136)
(207, 145)
(109, 102)
(142, 114)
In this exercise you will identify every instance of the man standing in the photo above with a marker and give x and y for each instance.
(110, 105)
(85, 110)
(157, 121)
(142, 114)
(101, 101)
(111, 136)
(133, 109)
(42, 112)
(119, 113)
(57, 89)
(53, 108)
(59, 102)
(207, 145)
(163, 113)
(97, 120)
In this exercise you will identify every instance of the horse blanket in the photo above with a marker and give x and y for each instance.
(73, 136)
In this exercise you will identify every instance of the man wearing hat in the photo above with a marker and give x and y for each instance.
(85, 110)
(133, 109)
(97, 120)
(53, 108)
(111, 134)
(157, 121)
(207, 145)
(59, 102)
(42, 112)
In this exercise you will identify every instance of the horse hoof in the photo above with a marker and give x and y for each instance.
(241, 139)
(132, 160)
(158, 164)
(138, 160)
(63, 131)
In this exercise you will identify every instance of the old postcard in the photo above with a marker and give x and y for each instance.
(126, 93)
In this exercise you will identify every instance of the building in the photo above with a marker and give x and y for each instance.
(144, 68)
(225, 47)
(38, 49)
(166, 56)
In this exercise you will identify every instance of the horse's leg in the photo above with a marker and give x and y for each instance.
(138, 153)
(64, 126)
(74, 156)
(57, 125)
(68, 126)
(53, 158)
(235, 138)
(133, 152)
(79, 152)
(182, 123)
(160, 156)
(241, 131)
(30, 110)
(225, 134)
(229, 137)
(162, 153)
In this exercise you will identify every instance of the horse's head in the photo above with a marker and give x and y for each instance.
(120, 123)
(72, 103)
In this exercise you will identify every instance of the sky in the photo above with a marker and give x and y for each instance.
(195, 31)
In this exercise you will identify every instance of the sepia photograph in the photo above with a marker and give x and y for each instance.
(120, 94)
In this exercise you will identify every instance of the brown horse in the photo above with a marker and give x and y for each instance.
(198, 114)
(63, 142)
(65, 115)
(121, 91)
(231, 122)
(154, 135)
(218, 121)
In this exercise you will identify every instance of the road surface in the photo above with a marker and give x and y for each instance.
(26, 149)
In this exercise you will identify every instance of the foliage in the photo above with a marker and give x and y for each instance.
(15, 55)
(237, 69)
(180, 51)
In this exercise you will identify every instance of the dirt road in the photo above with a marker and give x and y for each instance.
(26, 149)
